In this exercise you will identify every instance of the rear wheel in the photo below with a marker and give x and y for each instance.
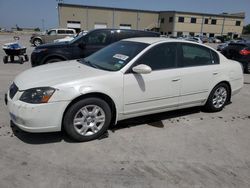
(5, 59)
(218, 98)
(247, 69)
(26, 57)
(37, 42)
(12, 58)
(87, 119)
(21, 60)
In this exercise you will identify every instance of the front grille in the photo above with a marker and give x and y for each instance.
(13, 90)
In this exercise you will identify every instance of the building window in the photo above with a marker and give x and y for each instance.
(179, 34)
(213, 21)
(238, 23)
(169, 33)
(206, 21)
(125, 26)
(204, 34)
(191, 34)
(162, 20)
(181, 19)
(193, 20)
(211, 34)
(170, 20)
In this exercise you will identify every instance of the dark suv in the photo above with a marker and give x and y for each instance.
(239, 51)
(83, 46)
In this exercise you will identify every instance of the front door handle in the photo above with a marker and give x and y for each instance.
(215, 73)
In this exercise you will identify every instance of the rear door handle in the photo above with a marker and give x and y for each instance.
(175, 80)
(215, 73)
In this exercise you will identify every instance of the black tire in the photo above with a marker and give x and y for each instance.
(247, 68)
(5, 59)
(21, 60)
(216, 105)
(37, 42)
(76, 110)
(53, 60)
(26, 57)
(12, 58)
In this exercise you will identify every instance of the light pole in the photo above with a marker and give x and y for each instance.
(43, 24)
(59, 20)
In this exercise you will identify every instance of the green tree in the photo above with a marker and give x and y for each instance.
(37, 29)
(246, 29)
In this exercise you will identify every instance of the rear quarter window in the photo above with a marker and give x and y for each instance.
(215, 57)
(69, 32)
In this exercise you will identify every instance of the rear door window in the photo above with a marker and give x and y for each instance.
(61, 32)
(98, 38)
(194, 55)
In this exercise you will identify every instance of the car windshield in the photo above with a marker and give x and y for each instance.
(114, 56)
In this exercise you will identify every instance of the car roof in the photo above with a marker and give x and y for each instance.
(152, 40)
(130, 30)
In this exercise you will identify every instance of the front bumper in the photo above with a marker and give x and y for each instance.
(36, 117)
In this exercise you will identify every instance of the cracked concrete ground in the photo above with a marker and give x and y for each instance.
(185, 148)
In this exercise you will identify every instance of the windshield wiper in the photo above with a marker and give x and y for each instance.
(87, 63)
(92, 64)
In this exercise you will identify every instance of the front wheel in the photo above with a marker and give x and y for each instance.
(37, 42)
(87, 119)
(218, 98)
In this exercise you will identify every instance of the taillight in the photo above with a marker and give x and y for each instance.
(245, 52)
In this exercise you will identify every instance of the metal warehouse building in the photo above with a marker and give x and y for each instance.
(175, 23)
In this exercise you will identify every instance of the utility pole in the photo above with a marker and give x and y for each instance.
(43, 25)
(59, 20)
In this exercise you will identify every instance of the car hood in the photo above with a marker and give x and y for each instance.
(53, 45)
(55, 74)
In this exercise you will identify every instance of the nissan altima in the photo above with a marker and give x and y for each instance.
(129, 78)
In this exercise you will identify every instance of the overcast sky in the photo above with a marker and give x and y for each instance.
(30, 13)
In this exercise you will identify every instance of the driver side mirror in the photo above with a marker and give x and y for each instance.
(142, 69)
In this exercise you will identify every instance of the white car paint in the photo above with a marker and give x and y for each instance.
(133, 94)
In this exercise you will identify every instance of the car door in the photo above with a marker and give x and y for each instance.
(95, 41)
(50, 36)
(61, 33)
(156, 91)
(198, 69)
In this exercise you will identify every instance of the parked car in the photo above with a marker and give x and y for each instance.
(239, 51)
(129, 78)
(220, 47)
(83, 46)
(194, 39)
(70, 38)
(50, 36)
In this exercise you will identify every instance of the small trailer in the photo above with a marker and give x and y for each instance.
(12, 50)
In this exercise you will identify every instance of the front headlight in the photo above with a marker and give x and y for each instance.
(39, 50)
(37, 95)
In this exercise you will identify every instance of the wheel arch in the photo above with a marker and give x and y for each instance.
(53, 56)
(40, 38)
(102, 96)
(229, 86)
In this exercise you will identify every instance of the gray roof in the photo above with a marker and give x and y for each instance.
(236, 15)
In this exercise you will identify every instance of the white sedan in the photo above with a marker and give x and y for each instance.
(129, 78)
